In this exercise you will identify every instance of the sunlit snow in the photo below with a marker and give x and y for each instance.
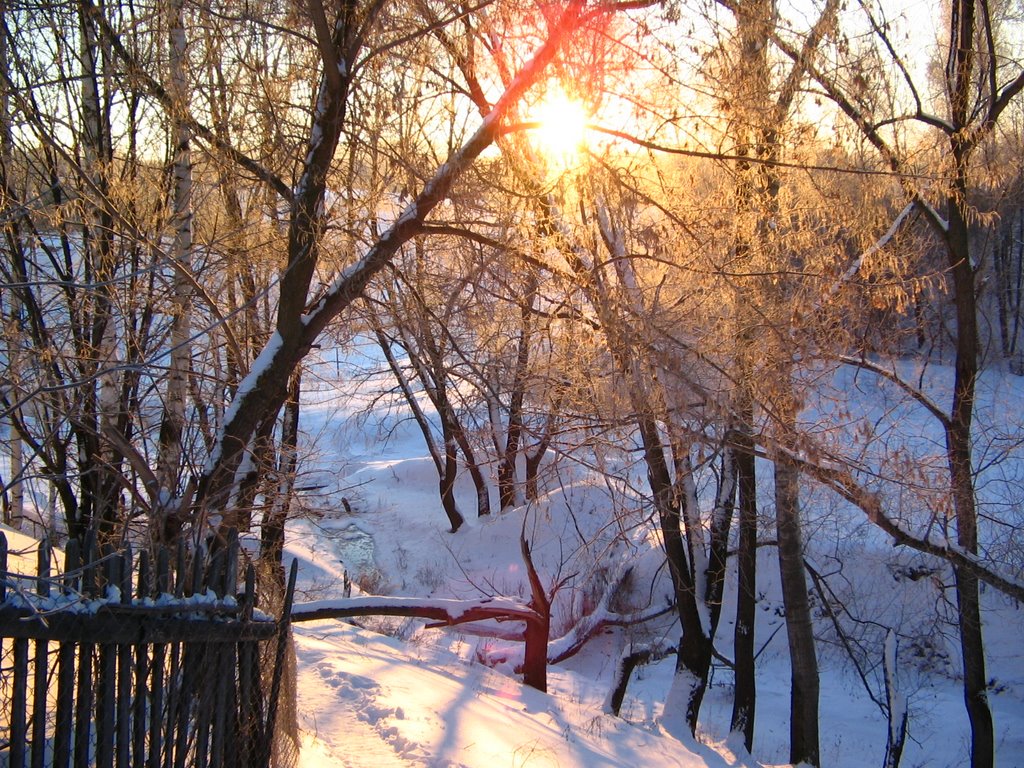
(397, 693)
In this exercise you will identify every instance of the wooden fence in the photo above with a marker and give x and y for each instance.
(138, 661)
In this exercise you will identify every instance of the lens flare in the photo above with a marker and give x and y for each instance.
(561, 125)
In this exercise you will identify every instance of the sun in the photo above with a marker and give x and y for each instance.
(561, 125)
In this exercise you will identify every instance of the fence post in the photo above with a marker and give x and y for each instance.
(42, 665)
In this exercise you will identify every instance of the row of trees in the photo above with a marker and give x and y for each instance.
(196, 195)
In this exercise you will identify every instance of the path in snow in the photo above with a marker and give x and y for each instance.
(343, 725)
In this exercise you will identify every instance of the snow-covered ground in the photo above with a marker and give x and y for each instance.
(409, 695)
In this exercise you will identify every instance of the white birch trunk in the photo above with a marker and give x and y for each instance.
(169, 460)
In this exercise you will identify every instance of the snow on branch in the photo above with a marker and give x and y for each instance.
(870, 503)
(892, 376)
(351, 281)
(448, 611)
(858, 262)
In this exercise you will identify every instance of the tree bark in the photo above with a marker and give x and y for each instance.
(961, 470)
(277, 512)
(745, 692)
(721, 525)
(103, 411)
(508, 487)
(173, 424)
(803, 724)
(960, 79)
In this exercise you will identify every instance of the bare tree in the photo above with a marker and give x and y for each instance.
(978, 88)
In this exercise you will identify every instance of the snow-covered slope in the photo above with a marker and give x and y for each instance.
(415, 696)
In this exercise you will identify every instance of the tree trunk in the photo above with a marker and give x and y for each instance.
(745, 693)
(508, 487)
(483, 491)
(433, 375)
(446, 481)
(896, 706)
(276, 515)
(14, 497)
(445, 465)
(721, 525)
(173, 424)
(101, 473)
(694, 660)
(534, 458)
(803, 725)
(252, 475)
(961, 470)
(264, 389)
(960, 79)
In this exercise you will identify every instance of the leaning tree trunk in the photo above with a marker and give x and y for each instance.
(483, 492)
(264, 390)
(445, 463)
(508, 487)
(446, 480)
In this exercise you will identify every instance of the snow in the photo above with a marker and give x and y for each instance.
(258, 368)
(454, 609)
(396, 692)
(360, 692)
(855, 266)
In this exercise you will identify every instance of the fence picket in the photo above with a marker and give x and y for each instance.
(84, 699)
(63, 723)
(207, 660)
(275, 685)
(140, 693)
(19, 673)
(249, 693)
(3, 567)
(161, 586)
(19, 704)
(183, 722)
(106, 691)
(140, 682)
(125, 667)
